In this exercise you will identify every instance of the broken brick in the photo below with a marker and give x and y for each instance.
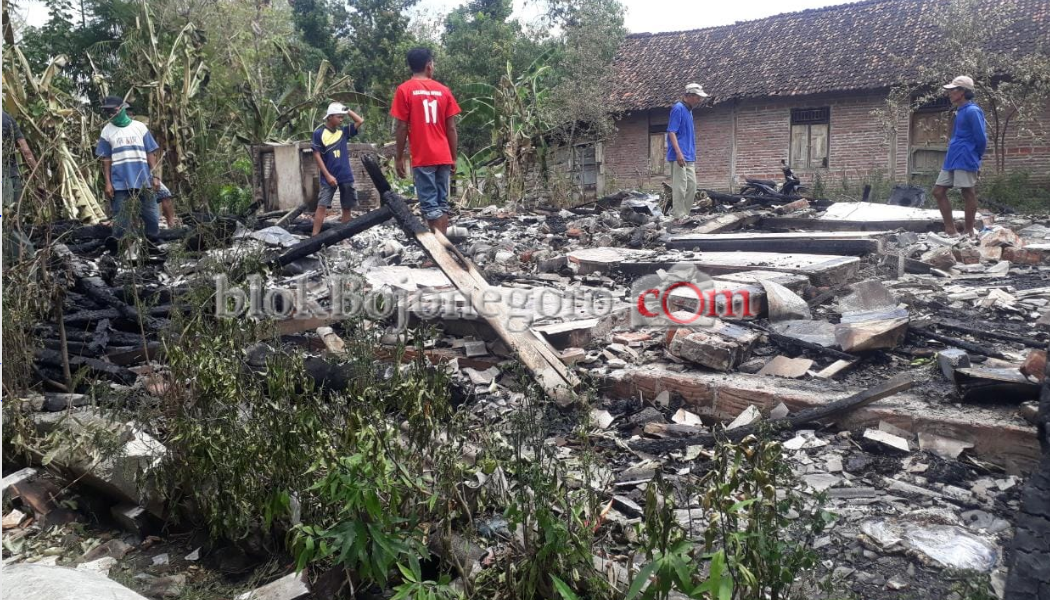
(791, 207)
(631, 338)
(721, 348)
(1035, 365)
(941, 258)
(571, 356)
(1002, 237)
(967, 255)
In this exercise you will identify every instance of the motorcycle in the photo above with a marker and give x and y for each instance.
(767, 187)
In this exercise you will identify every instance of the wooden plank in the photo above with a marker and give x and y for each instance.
(604, 259)
(726, 222)
(870, 211)
(794, 282)
(838, 243)
(1000, 437)
(821, 269)
(534, 352)
(834, 409)
(286, 167)
(865, 216)
(537, 355)
(808, 224)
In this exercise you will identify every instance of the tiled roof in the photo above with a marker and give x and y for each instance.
(856, 46)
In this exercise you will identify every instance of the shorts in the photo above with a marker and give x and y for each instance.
(957, 179)
(163, 193)
(432, 189)
(347, 195)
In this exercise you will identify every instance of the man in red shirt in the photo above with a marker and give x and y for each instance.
(426, 116)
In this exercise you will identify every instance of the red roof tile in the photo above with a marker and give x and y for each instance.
(859, 46)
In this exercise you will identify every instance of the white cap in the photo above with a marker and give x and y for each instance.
(961, 81)
(695, 88)
(336, 108)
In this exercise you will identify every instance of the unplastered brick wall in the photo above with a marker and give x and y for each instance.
(627, 154)
(859, 145)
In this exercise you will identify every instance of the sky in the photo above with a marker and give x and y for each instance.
(642, 15)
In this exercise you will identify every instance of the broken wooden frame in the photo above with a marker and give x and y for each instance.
(535, 353)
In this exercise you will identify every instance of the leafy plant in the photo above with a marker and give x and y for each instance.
(670, 563)
(172, 76)
(377, 524)
(764, 549)
(415, 587)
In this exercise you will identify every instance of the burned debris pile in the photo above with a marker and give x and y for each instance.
(899, 370)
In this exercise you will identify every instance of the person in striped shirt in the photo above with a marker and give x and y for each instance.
(129, 157)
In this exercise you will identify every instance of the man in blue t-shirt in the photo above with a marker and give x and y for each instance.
(965, 151)
(129, 163)
(333, 162)
(681, 151)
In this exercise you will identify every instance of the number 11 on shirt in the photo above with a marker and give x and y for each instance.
(430, 111)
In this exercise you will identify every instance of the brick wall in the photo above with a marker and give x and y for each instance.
(858, 145)
(1027, 148)
(627, 155)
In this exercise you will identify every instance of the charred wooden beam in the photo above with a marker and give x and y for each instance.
(99, 368)
(97, 290)
(889, 388)
(334, 235)
(98, 344)
(992, 335)
(116, 338)
(291, 216)
(958, 343)
(134, 355)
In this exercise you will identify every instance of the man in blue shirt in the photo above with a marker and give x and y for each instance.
(333, 162)
(963, 162)
(681, 151)
(129, 161)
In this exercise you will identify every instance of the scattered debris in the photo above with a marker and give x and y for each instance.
(290, 587)
(887, 439)
(783, 304)
(722, 347)
(947, 546)
(37, 582)
(750, 416)
(782, 366)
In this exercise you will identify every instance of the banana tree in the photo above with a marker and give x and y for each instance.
(295, 113)
(513, 111)
(174, 76)
(57, 130)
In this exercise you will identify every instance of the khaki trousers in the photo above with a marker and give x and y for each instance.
(683, 189)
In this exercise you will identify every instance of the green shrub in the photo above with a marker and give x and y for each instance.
(1016, 191)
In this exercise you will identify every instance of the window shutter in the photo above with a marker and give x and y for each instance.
(799, 146)
(658, 154)
(818, 146)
